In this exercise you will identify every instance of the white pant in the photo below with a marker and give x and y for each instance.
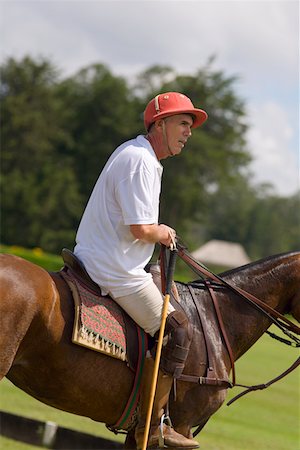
(145, 307)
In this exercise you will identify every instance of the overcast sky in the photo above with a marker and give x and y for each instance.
(252, 39)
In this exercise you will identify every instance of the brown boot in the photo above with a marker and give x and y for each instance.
(157, 434)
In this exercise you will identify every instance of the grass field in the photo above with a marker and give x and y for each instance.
(263, 420)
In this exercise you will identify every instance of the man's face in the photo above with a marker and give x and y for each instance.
(177, 132)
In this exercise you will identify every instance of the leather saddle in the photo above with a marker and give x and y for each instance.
(76, 266)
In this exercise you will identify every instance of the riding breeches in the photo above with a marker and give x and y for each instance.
(145, 307)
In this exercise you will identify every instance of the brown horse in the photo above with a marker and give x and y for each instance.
(37, 355)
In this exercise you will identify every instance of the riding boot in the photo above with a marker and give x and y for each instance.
(163, 435)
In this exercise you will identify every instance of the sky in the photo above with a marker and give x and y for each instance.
(256, 41)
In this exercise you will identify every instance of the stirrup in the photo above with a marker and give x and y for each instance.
(161, 439)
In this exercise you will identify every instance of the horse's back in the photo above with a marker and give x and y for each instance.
(20, 276)
(24, 286)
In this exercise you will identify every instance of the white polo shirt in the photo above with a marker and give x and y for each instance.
(126, 193)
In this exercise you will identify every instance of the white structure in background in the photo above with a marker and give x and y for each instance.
(222, 253)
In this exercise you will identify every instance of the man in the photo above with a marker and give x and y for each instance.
(116, 239)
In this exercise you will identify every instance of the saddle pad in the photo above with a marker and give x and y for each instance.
(99, 323)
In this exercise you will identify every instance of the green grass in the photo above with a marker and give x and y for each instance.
(37, 256)
(10, 444)
(262, 420)
(266, 419)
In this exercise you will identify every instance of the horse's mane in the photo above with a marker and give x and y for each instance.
(262, 261)
(236, 270)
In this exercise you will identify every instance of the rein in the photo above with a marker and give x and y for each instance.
(278, 319)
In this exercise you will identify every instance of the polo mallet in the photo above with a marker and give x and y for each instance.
(169, 278)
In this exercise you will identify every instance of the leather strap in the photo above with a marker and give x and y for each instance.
(222, 328)
(208, 344)
(264, 385)
(206, 380)
(210, 379)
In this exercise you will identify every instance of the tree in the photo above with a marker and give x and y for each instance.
(274, 225)
(102, 117)
(40, 199)
(230, 209)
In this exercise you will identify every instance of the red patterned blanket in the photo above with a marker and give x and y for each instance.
(99, 322)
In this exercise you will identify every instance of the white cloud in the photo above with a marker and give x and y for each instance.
(250, 36)
(269, 141)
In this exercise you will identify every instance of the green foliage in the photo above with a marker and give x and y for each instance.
(58, 133)
(102, 117)
(274, 225)
(40, 198)
(50, 262)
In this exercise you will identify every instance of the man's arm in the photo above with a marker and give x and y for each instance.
(153, 233)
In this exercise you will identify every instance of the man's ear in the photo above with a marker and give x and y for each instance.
(159, 125)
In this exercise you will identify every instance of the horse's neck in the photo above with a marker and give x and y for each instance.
(274, 282)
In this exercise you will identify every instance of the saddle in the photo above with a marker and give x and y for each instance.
(75, 265)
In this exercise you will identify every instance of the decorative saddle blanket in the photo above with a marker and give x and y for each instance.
(99, 322)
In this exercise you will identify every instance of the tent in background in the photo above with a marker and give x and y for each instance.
(222, 253)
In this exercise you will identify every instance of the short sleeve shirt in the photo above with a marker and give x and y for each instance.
(126, 193)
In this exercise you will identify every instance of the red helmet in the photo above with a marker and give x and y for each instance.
(169, 104)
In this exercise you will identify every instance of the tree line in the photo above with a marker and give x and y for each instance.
(57, 134)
